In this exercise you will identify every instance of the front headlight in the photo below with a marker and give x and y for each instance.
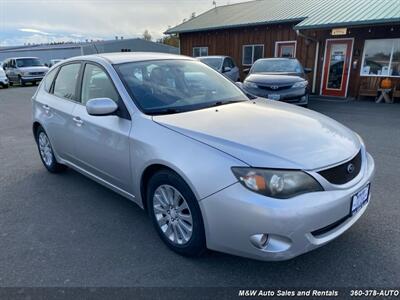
(24, 73)
(281, 184)
(250, 84)
(300, 84)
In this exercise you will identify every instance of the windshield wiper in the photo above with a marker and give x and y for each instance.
(219, 103)
(166, 111)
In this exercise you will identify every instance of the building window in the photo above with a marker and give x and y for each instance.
(381, 58)
(251, 53)
(200, 51)
(285, 49)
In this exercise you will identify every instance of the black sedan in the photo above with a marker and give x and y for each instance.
(281, 79)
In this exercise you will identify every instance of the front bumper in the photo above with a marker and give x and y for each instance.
(4, 81)
(234, 214)
(293, 95)
(32, 78)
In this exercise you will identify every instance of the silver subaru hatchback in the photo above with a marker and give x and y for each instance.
(212, 167)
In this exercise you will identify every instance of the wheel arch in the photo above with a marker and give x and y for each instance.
(149, 171)
(35, 126)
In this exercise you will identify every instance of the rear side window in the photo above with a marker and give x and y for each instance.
(65, 85)
(229, 63)
(49, 80)
(96, 84)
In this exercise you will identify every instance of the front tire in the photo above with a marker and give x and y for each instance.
(176, 214)
(21, 81)
(46, 152)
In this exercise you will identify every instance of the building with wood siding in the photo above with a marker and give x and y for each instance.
(349, 44)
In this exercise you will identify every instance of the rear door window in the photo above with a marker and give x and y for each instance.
(65, 84)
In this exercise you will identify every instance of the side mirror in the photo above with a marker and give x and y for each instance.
(239, 85)
(101, 107)
(307, 70)
(226, 69)
(246, 71)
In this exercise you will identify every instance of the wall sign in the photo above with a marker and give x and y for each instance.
(339, 31)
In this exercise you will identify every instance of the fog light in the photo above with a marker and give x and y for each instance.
(259, 240)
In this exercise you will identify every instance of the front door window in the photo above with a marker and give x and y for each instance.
(337, 67)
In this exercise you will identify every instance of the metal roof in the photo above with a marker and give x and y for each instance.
(307, 13)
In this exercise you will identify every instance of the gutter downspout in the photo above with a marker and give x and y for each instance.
(316, 57)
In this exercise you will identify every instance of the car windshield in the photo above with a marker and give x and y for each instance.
(172, 86)
(277, 66)
(28, 62)
(213, 62)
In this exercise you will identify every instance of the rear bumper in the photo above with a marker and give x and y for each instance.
(294, 226)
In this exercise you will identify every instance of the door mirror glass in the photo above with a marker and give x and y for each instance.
(101, 107)
(246, 71)
(226, 69)
(307, 70)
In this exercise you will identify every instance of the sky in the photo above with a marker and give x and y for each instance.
(44, 21)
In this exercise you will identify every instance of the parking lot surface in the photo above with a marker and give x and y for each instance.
(66, 230)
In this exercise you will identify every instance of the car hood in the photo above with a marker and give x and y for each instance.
(278, 78)
(34, 69)
(268, 134)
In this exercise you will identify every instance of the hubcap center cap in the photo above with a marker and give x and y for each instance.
(173, 214)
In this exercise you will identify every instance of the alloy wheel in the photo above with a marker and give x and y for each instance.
(173, 214)
(45, 149)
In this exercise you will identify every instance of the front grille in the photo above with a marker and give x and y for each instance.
(36, 73)
(341, 174)
(275, 87)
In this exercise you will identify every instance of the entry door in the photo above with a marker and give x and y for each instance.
(337, 67)
(285, 49)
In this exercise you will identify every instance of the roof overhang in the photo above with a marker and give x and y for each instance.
(233, 26)
(395, 21)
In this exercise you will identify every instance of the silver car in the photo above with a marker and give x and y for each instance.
(22, 70)
(213, 168)
(223, 64)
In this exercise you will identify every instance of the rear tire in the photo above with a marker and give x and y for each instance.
(46, 152)
(178, 221)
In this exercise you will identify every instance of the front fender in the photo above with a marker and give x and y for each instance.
(205, 169)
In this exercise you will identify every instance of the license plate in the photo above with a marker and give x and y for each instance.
(274, 97)
(360, 199)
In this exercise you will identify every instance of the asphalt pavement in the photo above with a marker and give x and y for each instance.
(66, 230)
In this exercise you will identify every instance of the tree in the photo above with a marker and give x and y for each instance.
(171, 40)
(146, 35)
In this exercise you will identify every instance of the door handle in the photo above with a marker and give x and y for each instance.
(78, 121)
(46, 108)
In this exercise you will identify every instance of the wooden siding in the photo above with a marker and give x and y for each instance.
(230, 42)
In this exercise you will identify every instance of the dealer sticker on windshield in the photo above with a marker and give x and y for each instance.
(360, 199)
(274, 97)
